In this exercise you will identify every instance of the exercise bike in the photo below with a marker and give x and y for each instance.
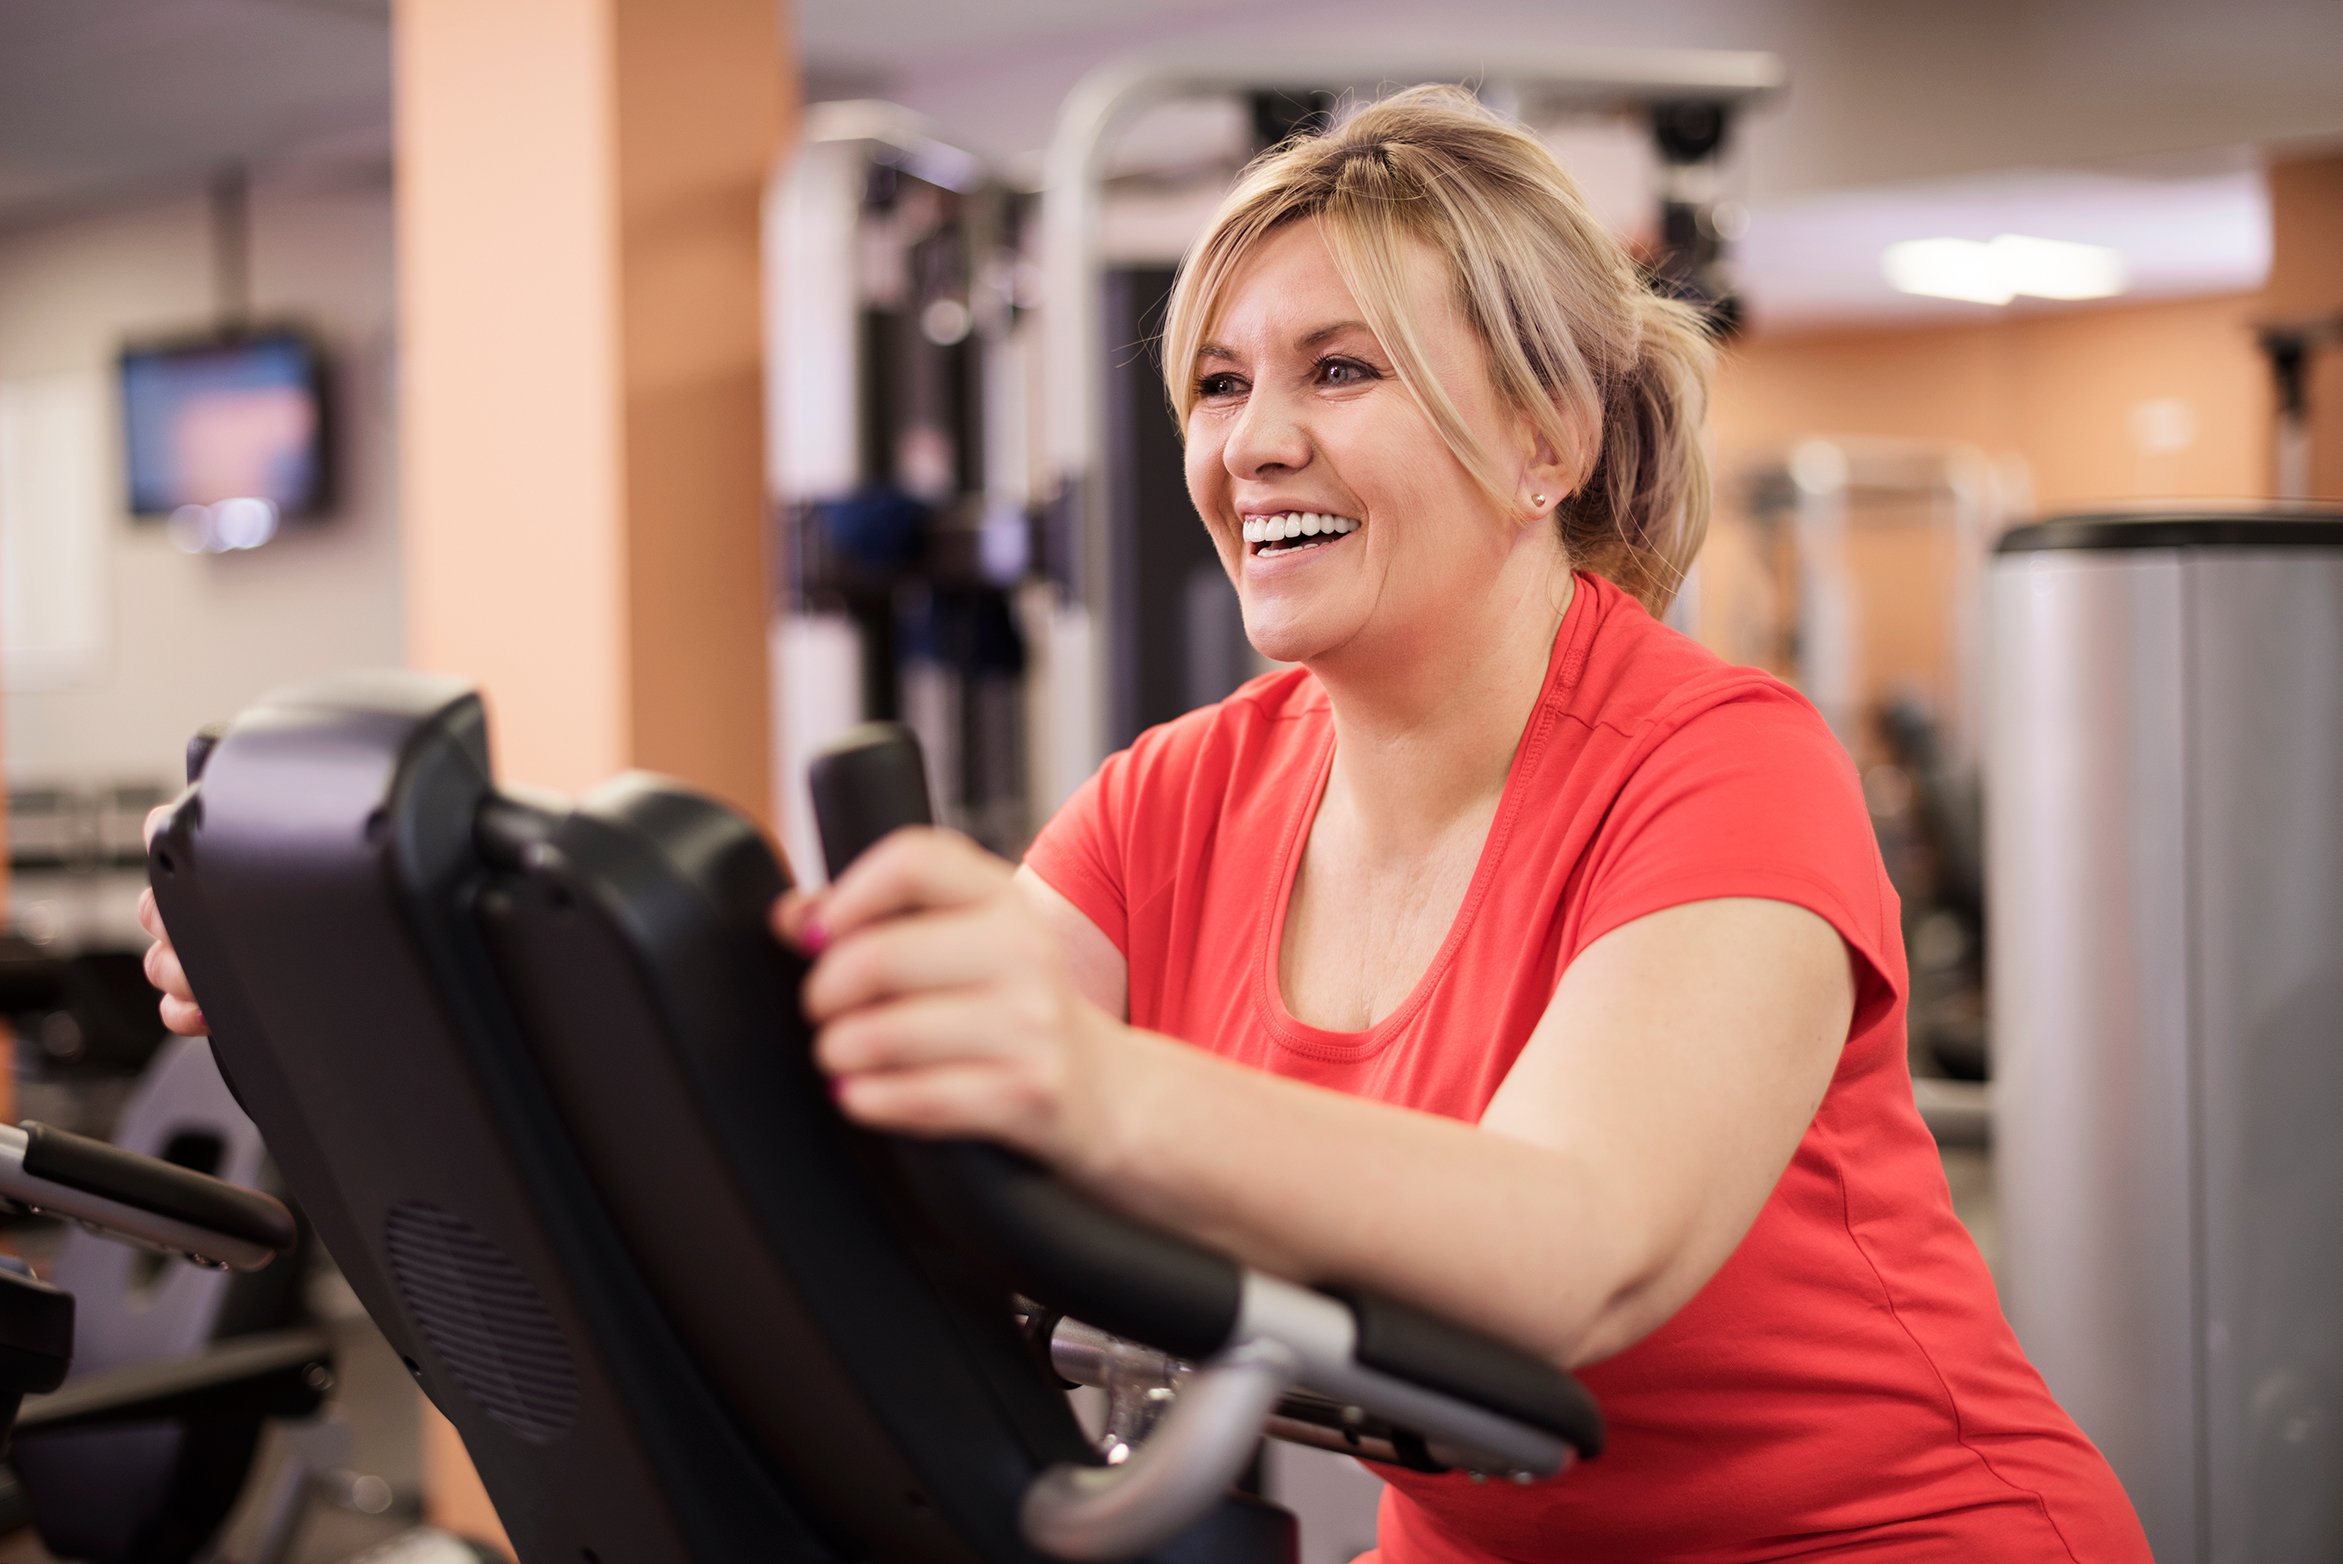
(537, 1073)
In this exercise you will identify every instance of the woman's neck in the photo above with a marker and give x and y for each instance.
(1425, 733)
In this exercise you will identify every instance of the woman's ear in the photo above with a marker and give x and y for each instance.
(1553, 469)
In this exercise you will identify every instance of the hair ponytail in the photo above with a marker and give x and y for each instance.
(1642, 513)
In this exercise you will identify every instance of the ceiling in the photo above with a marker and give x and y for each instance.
(1882, 91)
(101, 99)
(2133, 124)
(1903, 119)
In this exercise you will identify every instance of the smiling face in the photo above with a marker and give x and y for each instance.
(1352, 530)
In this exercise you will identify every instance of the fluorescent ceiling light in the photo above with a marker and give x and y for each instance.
(1997, 272)
(2054, 269)
(1946, 269)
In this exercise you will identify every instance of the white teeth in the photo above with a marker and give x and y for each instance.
(1297, 524)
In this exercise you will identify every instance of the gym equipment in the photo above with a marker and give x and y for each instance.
(145, 1382)
(537, 1074)
(158, 1491)
(2165, 871)
(161, 1207)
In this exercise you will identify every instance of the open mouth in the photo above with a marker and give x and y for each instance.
(1271, 536)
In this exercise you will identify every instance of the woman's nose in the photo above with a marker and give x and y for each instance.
(1266, 439)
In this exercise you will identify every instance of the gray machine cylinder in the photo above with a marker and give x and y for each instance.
(2165, 859)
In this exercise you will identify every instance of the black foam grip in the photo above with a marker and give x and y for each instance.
(1423, 1350)
(151, 1184)
(1049, 1240)
(1056, 1245)
(867, 782)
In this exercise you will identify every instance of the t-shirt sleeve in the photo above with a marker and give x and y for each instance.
(1751, 796)
(1081, 853)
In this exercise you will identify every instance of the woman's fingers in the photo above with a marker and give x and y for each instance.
(911, 868)
(181, 1016)
(954, 948)
(945, 1101)
(915, 867)
(933, 1029)
(164, 972)
(794, 913)
(942, 998)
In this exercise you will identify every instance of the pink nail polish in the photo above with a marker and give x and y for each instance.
(814, 938)
(837, 1088)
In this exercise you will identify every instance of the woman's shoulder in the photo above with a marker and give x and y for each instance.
(1643, 678)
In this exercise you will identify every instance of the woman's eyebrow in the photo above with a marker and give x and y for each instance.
(1215, 350)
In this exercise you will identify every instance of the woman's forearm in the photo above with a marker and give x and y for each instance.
(1638, 1134)
(1512, 1238)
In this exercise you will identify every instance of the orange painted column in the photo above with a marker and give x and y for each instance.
(582, 481)
(578, 186)
(2306, 284)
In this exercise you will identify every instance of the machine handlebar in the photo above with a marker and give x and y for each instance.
(142, 1200)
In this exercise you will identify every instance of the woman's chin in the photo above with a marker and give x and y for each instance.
(1282, 639)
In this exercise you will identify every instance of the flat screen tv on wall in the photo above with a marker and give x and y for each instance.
(229, 417)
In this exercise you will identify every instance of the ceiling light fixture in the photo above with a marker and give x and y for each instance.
(1997, 272)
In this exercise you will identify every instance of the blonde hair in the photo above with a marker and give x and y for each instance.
(1576, 338)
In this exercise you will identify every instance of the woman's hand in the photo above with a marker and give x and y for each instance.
(945, 1006)
(180, 1012)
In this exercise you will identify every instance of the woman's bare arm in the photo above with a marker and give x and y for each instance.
(1098, 969)
(1635, 1140)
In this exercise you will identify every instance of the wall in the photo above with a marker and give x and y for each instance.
(2085, 394)
(2064, 390)
(186, 639)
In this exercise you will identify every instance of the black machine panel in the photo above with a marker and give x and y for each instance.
(539, 1078)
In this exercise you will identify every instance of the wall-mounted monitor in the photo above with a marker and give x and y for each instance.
(226, 418)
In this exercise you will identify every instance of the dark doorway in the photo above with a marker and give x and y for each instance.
(1179, 639)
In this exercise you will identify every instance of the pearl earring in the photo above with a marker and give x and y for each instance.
(1537, 499)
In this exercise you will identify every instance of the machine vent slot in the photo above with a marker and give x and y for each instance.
(484, 1320)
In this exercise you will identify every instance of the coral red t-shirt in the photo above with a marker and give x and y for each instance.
(1846, 1381)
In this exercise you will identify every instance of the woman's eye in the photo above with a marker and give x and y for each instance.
(1345, 372)
(1213, 386)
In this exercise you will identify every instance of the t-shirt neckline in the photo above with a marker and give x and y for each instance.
(1563, 666)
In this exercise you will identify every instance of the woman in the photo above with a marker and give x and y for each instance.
(1511, 955)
